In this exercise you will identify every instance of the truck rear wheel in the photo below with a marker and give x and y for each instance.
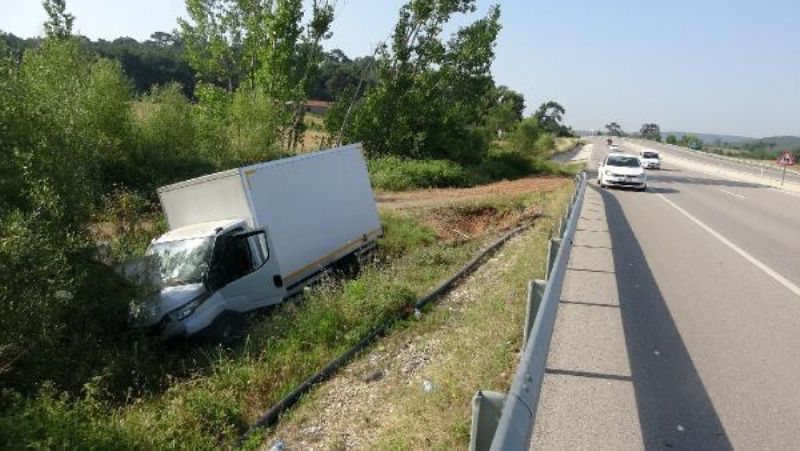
(348, 267)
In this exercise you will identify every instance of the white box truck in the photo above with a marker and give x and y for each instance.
(250, 237)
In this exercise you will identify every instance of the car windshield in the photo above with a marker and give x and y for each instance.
(184, 261)
(650, 155)
(626, 162)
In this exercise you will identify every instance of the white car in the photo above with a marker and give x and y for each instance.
(613, 148)
(622, 170)
(650, 159)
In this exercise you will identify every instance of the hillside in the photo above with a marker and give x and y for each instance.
(711, 138)
(777, 142)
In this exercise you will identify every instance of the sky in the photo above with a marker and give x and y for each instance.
(710, 66)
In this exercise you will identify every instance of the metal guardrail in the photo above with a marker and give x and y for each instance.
(505, 421)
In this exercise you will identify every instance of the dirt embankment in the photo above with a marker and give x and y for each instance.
(445, 196)
(462, 214)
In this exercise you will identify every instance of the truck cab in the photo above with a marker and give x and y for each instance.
(208, 269)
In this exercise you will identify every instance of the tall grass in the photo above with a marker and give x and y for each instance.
(500, 163)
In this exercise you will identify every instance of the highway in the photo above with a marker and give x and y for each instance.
(679, 326)
(762, 172)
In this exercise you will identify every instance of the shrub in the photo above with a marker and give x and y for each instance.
(164, 148)
(397, 174)
(254, 130)
(523, 138)
(502, 163)
(63, 314)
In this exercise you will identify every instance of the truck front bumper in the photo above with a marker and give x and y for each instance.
(168, 329)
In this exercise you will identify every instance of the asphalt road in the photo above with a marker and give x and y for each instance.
(679, 325)
(762, 172)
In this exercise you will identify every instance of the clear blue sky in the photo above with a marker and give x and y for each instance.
(716, 66)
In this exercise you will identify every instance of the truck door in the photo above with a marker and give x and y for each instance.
(243, 272)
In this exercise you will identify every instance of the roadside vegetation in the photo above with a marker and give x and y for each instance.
(211, 398)
(86, 143)
(469, 341)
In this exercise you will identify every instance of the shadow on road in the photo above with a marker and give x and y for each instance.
(674, 408)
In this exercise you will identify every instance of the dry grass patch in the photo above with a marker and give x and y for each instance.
(469, 341)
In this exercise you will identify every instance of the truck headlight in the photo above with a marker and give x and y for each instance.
(188, 309)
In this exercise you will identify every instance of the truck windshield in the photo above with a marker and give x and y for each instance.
(184, 261)
(650, 155)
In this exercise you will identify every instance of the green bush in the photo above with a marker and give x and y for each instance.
(254, 130)
(500, 163)
(503, 164)
(69, 114)
(531, 140)
(523, 138)
(397, 174)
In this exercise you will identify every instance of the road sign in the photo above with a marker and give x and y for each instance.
(786, 159)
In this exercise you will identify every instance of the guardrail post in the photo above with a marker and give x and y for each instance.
(552, 252)
(535, 292)
(486, 409)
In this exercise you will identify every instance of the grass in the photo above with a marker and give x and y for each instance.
(566, 144)
(477, 353)
(399, 174)
(469, 342)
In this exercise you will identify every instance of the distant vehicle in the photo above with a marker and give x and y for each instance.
(622, 170)
(613, 148)
(696, 146)
(251, 237)
(650, 159)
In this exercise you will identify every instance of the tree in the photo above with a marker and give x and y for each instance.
(429, 98)
(505, 110)
(691, 141)
(614, 129)
(651, 132)
(672, 139)
(549, 115)
(163, 39)
(59, 22)
(260, 43)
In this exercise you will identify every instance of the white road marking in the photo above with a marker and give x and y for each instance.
(733, 194)
(757, 263)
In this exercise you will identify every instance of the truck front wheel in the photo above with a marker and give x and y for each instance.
(227, 329)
